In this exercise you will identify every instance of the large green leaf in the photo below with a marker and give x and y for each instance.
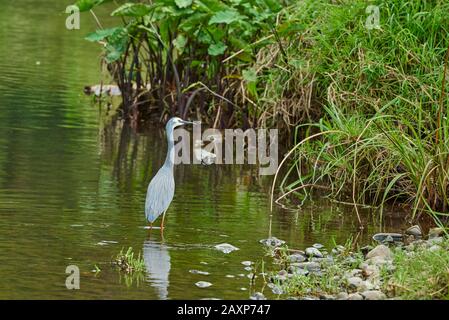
(227, 17)
(217, 49)
(116, 41)
(100, 35)
(193, 21)
(133, 10)
(180, 42)
(116, 47)
(210, 6)
(183, 3)
(86, 5)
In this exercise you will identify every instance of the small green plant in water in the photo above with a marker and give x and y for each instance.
(129, 262)
(97, 269)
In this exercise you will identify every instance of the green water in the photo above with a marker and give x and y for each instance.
(69, 181)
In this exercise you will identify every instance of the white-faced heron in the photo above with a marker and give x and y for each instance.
(162, 187)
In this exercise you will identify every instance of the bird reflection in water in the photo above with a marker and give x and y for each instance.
(157, 264)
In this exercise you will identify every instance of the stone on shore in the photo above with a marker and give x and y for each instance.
(414, 231)
(374, 295)
(380, 251)
(435, 232)
(342, 296)
(258, 296)
(355, 296)
(314, 252)
(354, 282)
(296, 257)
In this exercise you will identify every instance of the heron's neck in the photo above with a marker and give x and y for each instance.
(170, 159)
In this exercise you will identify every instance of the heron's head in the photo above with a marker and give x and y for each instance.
(176, 122)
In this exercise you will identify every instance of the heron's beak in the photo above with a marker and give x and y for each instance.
(186, 122)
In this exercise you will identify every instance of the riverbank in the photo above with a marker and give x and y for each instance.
(381, 94)
(358, 89)
(407, 268)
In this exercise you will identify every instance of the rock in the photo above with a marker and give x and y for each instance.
(355, 296)
(280, 276)
(298, 271)
(309, 266)
(365, 286)
(327, 297)
(381, 251)
(378, 261)
(369, 270)
(354, 282)
(374, 295)
(247, 263)
(205, 273)
(433, 241)
(297, 257)
(435, 232)
(258, 296)
(203, 284)
(353, 273)
(435, 247)
(248, 268)
(387, 237)
(314, 252)
(272, 242)
(282, 273)
(275, 288)
(342, 296)
(309, 298)
(414, 231)
(225, 247)
(338, 249)
(318, 246)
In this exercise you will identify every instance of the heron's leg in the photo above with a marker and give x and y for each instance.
(163, 218)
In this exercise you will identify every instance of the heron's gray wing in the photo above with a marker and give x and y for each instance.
(159, 194)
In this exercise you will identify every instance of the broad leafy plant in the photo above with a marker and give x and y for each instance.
(175, 51)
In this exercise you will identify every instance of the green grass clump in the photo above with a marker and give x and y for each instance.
(421, 275)
(380, 99)
(129, 262)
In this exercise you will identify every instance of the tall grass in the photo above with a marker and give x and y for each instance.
(382, 98)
